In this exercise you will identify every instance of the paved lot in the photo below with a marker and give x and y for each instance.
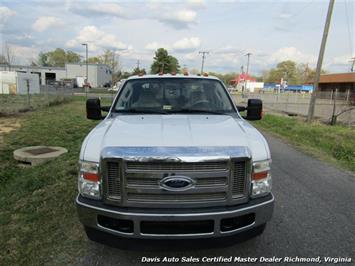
(314, 216)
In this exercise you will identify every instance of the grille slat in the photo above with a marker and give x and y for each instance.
(114, 180)
(176, 198)
(157, 166)
(154, 182)
(239, 174)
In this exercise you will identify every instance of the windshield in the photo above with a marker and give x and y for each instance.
(169, 95)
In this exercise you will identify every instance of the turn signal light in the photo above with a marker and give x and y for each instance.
(91, 177)
(260, 175)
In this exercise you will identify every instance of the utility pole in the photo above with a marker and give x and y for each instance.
(320, 61)
(248, 55)
(242, 69)
(138, 63)
(203, 59)
(113, 67)
(353, 64)
(87, 69)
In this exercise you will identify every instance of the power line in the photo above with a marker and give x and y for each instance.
(203, 59)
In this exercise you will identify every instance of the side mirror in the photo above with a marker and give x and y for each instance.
(106, 108)
(241, 108)
(93, 109)
(254, 109)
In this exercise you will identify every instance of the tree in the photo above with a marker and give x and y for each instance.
(226, 78)
(2, 59)
(173, 64)
(58, 57)
(306, 73)
(163, 62)
(94, 60)
(124, 75)
(109, 58)
(137, 71)
(72, 57)
(291, 72)
(286, 70)
(43, 59)
(8, 57)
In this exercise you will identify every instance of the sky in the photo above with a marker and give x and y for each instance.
(272, 31)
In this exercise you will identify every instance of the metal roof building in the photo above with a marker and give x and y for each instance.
(342, 81)
(99, 74)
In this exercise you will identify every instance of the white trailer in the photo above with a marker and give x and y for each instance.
(80, 81)
(12, 82)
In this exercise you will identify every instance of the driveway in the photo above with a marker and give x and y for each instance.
(314, 216)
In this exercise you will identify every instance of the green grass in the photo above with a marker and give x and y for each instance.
(12, 104)
(38, 221)
(333, 143)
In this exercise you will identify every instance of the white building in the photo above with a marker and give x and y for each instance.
(99, 74)
(250, 86)
(12, 82)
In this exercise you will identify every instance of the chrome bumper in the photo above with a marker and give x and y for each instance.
(89, 210)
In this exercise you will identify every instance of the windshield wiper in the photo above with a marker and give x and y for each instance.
(186, 110)
(140, 111)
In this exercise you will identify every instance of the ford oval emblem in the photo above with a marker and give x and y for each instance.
(177, 183)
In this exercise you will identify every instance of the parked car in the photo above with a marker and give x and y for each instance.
(174, 158)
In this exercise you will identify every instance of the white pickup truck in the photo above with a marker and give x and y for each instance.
(173, 158)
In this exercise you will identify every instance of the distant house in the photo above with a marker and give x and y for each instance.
(344, 82)
(242, 78)
(245, 82)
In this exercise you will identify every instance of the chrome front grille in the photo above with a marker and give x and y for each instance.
(137, 184)
(157, 166)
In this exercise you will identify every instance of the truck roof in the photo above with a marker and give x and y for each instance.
(172, 76)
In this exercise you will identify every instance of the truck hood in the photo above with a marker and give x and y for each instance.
(174, 130)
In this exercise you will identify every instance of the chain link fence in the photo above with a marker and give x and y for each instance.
(49, 95)
(328, 104)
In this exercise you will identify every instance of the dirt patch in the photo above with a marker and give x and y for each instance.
(7, 125)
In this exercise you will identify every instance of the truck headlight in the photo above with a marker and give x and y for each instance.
(89, 183)
(261, 178)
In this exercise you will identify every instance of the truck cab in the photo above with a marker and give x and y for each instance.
(174, 158)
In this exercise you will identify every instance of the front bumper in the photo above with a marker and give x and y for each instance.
(258, 211)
